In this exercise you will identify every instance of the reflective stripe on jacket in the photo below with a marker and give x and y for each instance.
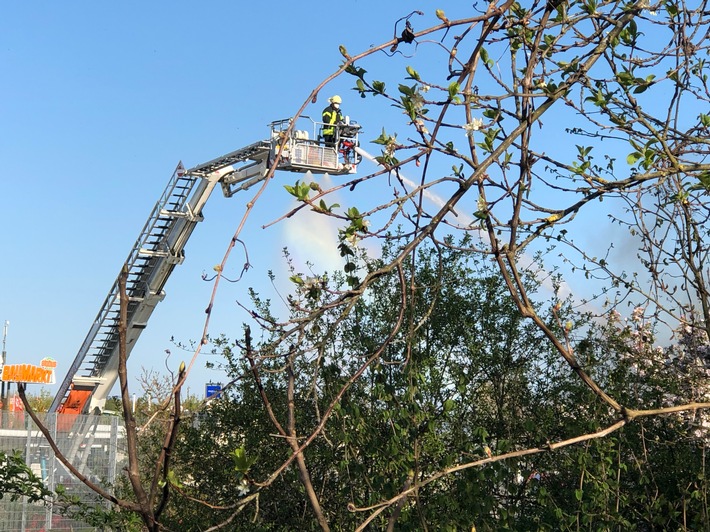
(331, 116)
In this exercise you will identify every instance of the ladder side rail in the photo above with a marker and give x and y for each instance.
(176, 238)
(174, 242)
(105, 347)
(135, 254)
(108, 373)
(236, 156)
(74, 368)
(101, 317)
(156, 216)
(103, 373)
(112, 298)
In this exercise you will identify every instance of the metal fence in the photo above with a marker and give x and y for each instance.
(95, 445)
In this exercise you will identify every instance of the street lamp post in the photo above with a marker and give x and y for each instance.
(3, 390)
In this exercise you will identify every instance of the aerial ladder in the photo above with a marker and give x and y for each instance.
(160, 245)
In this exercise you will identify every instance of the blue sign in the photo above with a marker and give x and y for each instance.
(213, 390)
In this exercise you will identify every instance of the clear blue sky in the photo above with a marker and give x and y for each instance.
(98, 103)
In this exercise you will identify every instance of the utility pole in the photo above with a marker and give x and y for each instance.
(3, 390)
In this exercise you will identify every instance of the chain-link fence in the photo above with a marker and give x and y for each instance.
(95, 445)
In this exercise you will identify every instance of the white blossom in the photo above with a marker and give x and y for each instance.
(472, 126)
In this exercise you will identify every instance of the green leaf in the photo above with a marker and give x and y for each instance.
(408, 91)
(703, 182)
(625, 78)
(378, 87)
(360, 85)
(356, 71)
(484, 57)
(454, 89)
(299, 190)
(633, 157)
(583, 150)
(597, 98)
(242, 463)
(345, 250)
(384, 139)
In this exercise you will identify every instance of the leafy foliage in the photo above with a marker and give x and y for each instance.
(17, 479)
(465, 379)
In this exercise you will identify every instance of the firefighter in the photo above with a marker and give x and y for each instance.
(332, 118)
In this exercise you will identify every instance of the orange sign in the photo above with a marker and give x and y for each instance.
(27, 373)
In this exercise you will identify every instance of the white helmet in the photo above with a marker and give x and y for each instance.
(335, 99)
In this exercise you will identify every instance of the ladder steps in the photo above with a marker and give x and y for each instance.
(145, 258)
